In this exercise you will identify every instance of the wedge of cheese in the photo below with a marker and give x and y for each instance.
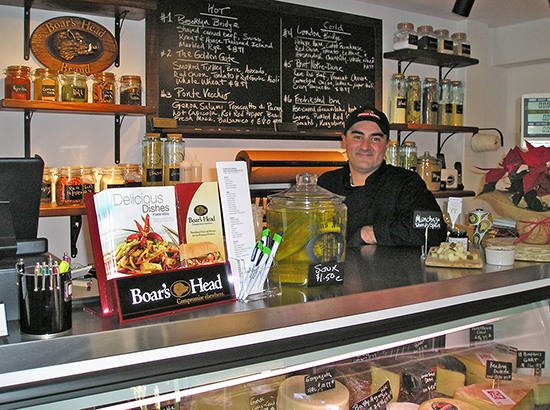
(446, 404)
(379, 376)
(292, 395)
(539, 384)
(450, 375)
(475, 361)
(506, 397)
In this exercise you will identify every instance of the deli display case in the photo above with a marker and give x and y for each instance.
(392, 312)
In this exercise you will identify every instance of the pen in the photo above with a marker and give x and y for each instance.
(255, 271)
(265, 237)
(277, 238)
(255, 252)
(43, 272)
(55, 271)
(36, 273)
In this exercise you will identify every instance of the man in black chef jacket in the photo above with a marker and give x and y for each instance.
(381, 198)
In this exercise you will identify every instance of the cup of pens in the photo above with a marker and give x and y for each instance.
(45, 294)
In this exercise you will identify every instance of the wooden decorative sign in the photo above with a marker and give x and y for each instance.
(74, 44)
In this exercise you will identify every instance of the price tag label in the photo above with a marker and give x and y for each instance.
(325, 274)
(482, 333)
(498, 370)
(376, 401)
(319, 382)
(531, 359)
(427, 220)
(266, 401)
(428, 381)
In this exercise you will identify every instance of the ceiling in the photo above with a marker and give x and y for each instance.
(495, 13)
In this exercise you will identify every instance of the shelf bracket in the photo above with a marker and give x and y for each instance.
(119, 20)
(28, 116)
(118, 123)
(440, 144)
(27, 29)
(448, 71)
(76, 225)
(406, 67)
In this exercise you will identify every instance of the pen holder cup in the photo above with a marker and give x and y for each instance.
(271, 286)
(45, 306)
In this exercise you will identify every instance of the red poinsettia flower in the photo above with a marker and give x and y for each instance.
(537, 161)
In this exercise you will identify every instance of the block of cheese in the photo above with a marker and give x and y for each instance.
(539, 384)
(292, 396)
(476, 361)
(450, 375)
(380, 375)
(505, 397)
(443, 403)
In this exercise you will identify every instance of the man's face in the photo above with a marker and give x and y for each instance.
(366, 146)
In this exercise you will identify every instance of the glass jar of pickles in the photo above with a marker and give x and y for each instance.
(46, 84)
(130, 90)
(392, 154)
(408, 155)
(46, 190)
(112, 177)
(68, 186)
(18, 83)
(103, 88)
(75, 88)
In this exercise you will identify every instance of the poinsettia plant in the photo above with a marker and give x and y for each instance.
(528, 175)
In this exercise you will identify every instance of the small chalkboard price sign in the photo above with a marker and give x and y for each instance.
(483, 333)
(318, 382)
(376, 401)
(496, 370)
(531, 359)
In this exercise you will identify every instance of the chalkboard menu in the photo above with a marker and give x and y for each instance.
(260, 65)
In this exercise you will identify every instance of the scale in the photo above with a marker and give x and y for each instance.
(535, 119)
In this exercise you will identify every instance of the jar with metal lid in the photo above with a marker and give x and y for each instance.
(130, 90)
(459, 235)
(103, 88)
(405, 37)
(444, 41)
(18, 82)
(312, 222)
(46, 190)
(46, 84)
(429, 168)
(461, 45)
(152, 160)
(414, 98)
(112, 177)
(398, 99)
(75, 88)
(68, 186)
(457, 101)
(132, 175)
(445, 102)
(430, 101)
(426, 38)
(87, 176)
(408, 155)
(174, 154)
(392, 154)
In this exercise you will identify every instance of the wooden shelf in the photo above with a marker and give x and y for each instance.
(453, 192)
(431, 58)
(58, 210)
(432, 128)
(79, 108)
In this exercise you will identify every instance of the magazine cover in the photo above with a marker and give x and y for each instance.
(138, 230)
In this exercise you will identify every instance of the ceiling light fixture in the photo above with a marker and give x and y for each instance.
(463, 7)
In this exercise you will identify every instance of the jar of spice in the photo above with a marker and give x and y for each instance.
(130, 90)
(414, 95)
(68, 186)
(444, 41)
(112, 177)
(75, 88)
(152, 160)
(426, 38)
(87, 176)
(461, 45)
(405, 37)
(46, 191)
(398, 99)
(18, 82)
(429, 168)
(408, 155)
(457, 101)
(430, 101)
(46, 84)
(103, 88)
(132, 175)
(445, 103)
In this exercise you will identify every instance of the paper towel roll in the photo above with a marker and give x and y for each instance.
(485, 142)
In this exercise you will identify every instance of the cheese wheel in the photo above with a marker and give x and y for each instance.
(504, 397)
(402, 405)
(292, 396)
(441, 403)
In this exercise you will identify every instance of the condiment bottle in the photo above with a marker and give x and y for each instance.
(18, 83)
(186, 173)
(130, 90)
(405, 37)
(445, 102)
(132, 175)
(398, 99)
(429, 169)
(461, 46)
(414, 98)
(152, 160)
(392, 154)
(75, 88)
(430, 101)
(444, 42)
(46, 84)
(457, 101)
(68, 186)
(426, 38)
(196, 170)
(112, 177)
(46, 191)
(174, 153)
(103, 88)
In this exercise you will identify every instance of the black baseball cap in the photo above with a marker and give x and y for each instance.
(368, 114)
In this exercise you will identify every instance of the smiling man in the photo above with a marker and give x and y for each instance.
(381, 198)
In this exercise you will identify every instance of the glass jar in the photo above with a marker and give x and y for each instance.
(132, 175)
(130, 90)
(430, 101)
(414, 98)
(444, 41)
(392, 154)
(405, 37)
(408, 154)
(429, 168)
(457, 101)
(18, 83)
(68, 186)
(112, 177)
(103, 88)
(459, 235)
(87, 176)
(46, 191)
(174, 154)
(445, 103)
(461, 45)
(152, 160)
(426, 38)
(398, 99)
(46, 84)
(313, 225)
(75, 88)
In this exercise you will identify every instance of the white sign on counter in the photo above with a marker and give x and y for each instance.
(237, 217)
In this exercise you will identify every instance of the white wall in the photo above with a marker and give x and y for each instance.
(66, 139)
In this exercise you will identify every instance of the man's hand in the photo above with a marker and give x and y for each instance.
(367, 234)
